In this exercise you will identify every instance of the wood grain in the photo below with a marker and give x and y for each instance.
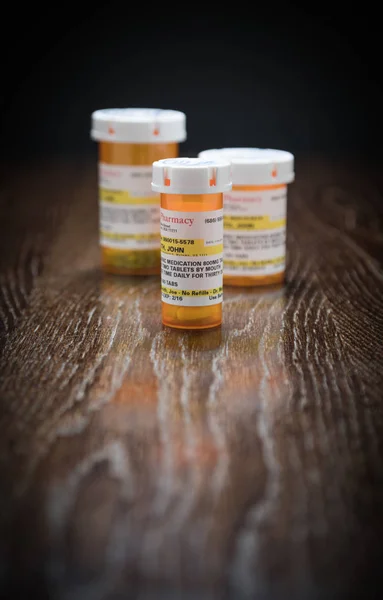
(140, 462)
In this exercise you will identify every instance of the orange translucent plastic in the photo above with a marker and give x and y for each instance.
(192, 317)
(146, 262)
(254, 280)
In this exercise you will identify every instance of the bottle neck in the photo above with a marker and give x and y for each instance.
(192, 202)
(116, 153)
(258, 188)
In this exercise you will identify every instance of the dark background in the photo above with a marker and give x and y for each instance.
(301, 78)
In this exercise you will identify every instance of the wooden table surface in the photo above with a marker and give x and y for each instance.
(140, 462)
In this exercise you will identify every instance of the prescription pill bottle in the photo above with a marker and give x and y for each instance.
(130, 140)
(255, 214)
(191, 239)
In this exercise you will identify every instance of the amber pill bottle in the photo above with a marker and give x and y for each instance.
(255, 215)
(191, 219)
(129, 141)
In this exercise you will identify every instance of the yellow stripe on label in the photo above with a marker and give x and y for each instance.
(254, 263)
(130, 236)
(191, 293)
(124, 197)
(251, 223)
(182, 247)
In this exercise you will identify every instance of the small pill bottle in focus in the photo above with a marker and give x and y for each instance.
(130, 140)
(255, 214)
(191, 239)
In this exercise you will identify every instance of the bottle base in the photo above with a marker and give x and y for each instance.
(112, 270)
(253, 281)
(192, 317)
(191, 327)
(130, 262)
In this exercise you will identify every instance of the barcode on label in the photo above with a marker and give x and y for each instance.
(115, 215)
(126, 215)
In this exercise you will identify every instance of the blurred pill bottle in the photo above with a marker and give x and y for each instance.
(255, 214)
(130, 140)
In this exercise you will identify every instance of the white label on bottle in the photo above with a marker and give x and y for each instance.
(129, 209)
(255, 232)
(191, 257)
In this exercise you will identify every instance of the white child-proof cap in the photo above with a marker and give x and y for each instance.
(255, 166)
(191, 176)
(138, 125)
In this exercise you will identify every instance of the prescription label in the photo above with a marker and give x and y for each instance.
(255, 232)
(191, 257)
(129, 209)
